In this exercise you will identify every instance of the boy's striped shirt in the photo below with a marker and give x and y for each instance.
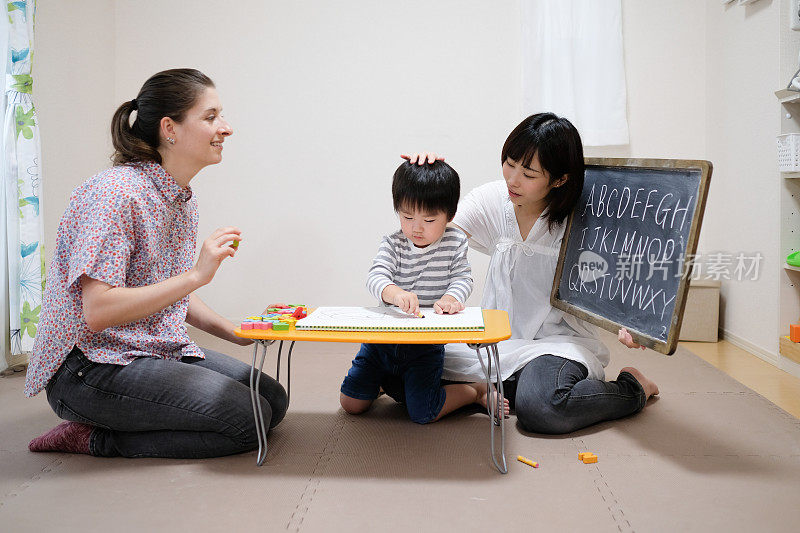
(431, 272)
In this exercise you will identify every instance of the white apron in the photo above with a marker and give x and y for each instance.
(519, 281)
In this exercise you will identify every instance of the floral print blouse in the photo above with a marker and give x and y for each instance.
(128, 226)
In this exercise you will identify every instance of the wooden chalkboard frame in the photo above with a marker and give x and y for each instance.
(666, 347)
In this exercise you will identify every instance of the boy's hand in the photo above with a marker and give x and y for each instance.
(448, 305)
(407, 302)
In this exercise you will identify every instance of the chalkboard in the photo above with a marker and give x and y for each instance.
(628, 246)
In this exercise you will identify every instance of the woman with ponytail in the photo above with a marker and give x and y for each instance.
(112, 351)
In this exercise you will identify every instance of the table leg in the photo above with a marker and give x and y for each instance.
(500, 410)
(495, 409)
(288, 370)
(255, 379)
(289, 374)
(278, 364)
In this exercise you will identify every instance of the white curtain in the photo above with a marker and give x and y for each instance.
(573, 65)
(23, 267)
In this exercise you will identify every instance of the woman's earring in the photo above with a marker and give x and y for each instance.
(170, 140)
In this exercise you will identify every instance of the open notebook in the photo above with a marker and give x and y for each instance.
(390, 319)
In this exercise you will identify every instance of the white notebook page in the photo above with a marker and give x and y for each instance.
(391, 319)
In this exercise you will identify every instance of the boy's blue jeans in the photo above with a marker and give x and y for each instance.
(153, 407)
(417, 366)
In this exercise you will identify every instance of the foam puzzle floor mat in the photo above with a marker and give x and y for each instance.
(707, 455)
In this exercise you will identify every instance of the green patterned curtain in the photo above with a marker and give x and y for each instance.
(22, 188)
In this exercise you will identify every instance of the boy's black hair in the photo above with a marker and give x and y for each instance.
(558, 144)
(430, 187)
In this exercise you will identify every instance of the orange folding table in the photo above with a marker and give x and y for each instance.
(496, 329)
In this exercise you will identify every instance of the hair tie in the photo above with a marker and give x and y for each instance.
(134, 104)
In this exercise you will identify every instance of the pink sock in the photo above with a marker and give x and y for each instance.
(71, 437)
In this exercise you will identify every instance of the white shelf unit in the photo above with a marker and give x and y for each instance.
(790, 226)
(787, 97)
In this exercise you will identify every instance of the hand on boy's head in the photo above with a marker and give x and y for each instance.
(448, 306)
(422, 157)
(407, 302)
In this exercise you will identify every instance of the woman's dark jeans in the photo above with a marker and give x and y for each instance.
(552, 395)
(152, 407)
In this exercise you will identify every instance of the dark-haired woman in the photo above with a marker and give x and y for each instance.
(112, 351)
(553, 365)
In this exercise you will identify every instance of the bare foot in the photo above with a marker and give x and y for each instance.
(481, 389)
(71, 437)
(650, 388)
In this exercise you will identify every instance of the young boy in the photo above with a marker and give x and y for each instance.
(425, 263)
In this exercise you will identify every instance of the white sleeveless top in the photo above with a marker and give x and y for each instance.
(519, 281)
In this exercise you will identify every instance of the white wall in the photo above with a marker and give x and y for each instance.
(665, 71)
(742, 214)
(323, 96)
(73, 89)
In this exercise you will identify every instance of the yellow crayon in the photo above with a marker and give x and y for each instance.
(587, 457)
(527, 461)
(420, 315)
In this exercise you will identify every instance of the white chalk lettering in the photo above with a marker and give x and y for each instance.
(589, 202)
(621, 210)
(635, 201)
(665, 211)
(684, 210)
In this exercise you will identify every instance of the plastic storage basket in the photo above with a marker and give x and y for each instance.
(789, 152)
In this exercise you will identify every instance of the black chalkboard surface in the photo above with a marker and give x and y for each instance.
(626, 255)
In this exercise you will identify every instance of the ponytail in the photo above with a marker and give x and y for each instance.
(170, 93)
(129, 148)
